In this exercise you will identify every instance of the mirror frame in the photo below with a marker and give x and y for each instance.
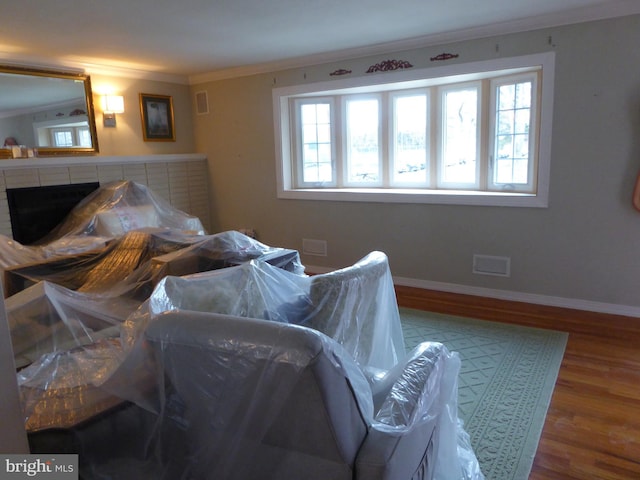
(88, 94)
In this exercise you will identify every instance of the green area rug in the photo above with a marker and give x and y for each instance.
(505, 385)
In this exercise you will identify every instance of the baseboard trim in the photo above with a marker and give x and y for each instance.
(547, 300)
(508, 295)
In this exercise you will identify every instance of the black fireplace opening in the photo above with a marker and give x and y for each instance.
(35, 211)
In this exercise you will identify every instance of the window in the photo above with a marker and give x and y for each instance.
(460, 125)
(362, 141)
(474, 133)
(316, 145)
(63, 132)
(70, 136)
(62, 137)
(513, 148)
(410, 139)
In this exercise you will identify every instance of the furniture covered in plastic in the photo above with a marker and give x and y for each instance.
(156, 351)
(241, 398)
(68, 341)
(95, 270)
(110, 212)
(118, 207)
(356, 305)
(46, 318)
(135, 262)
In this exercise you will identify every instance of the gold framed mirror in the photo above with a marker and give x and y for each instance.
(46, 113)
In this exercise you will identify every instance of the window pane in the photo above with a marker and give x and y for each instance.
(460, 136)
(523, 95)
(309, 133)
(507, 97)
(410, 139)
(324, 133)
(316, 142)
(505, 146)
(362, 141)
(520, 171)
(84, 137)
(521, 121)
(505, 122)
(504, 171)
(513, 118)
(63, 138)
(512, 171)
(521, 147)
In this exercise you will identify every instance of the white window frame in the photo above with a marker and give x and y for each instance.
(442, 183)
(346, 165)
(297, 168)
(53, 132)
(419, 78)
(533, 129)
(396, 183)
(43, 131)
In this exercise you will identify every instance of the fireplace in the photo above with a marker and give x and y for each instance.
(35, 211)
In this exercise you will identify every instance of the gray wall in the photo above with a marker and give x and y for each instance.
(585, 246)
(126, 138)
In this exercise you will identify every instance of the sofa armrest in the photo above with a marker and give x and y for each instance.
(406, 437)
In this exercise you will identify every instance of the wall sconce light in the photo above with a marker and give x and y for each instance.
(112, 104)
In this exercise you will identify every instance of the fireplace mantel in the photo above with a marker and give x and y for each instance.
(48, 162)
(181, 179)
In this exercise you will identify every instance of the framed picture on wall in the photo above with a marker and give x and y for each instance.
(157, 118)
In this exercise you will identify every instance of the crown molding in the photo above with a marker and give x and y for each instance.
(621, 8)
(88, 68)
(125, 72)
(20, 61)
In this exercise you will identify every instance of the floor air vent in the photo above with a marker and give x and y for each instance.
(491, 265)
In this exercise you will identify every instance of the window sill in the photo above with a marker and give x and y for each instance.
(443, 197)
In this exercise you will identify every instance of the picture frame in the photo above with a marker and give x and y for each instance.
(156, 112)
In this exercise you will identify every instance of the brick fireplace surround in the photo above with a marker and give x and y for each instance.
(180, 179)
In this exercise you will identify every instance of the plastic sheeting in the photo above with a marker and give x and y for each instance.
(356, 306)
(247, 393)
(110, 212)
(14, 253)
(70, 309)
(293, 402)
(95, 270)
(236, 398)
(119, 207)
(46, 318)
(65, 344)
(134, 263)
(114, 342)
(55, 299)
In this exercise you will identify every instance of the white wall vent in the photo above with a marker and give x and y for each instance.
(492, 265)
(314, 247)
(202, 103)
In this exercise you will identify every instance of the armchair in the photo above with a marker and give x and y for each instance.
(242, 398)
(357, 306)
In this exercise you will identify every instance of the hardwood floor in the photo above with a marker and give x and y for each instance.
(592, 429)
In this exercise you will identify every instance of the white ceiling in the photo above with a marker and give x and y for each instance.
(187, 39)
